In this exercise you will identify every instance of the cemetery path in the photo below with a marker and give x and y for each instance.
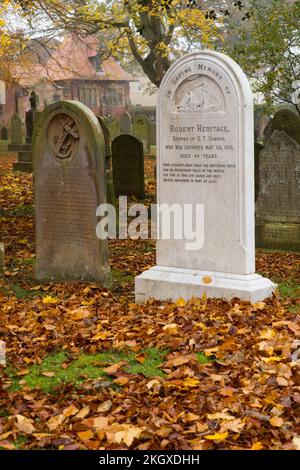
(87, 368)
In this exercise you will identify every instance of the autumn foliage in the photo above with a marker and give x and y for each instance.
(90, 369)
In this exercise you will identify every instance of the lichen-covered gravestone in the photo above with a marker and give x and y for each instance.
(278, 203)
(287, 121)
(142, 130)
(205, 167)
(128, 166)
(110, 191)
(106, 135)
(16, 130)
(69, 185)
(114, 128)
(126, 124)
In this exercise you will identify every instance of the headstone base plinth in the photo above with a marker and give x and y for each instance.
(167, 283)
(3, 146)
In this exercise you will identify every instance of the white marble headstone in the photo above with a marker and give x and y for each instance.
(205, 156)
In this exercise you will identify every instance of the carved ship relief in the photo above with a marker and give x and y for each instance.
(198, 93)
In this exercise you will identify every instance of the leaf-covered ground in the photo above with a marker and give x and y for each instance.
(87, 368)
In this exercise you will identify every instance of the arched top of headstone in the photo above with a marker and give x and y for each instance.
(126, 123)
(128, 138)
(141, 119)
(287, 121)
(191, 90)
(281, 137)
(69, 121)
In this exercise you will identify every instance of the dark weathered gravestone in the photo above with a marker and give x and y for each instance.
(278, 203)
(31, 116)
(69, 185)
(142, 130)
(128, 166)
(4, 133)
(16, 130)
(257, 149)
(267, 131)
(126, 123)
(152, 133)
(106, 135)
(110, 192)
(287, 121)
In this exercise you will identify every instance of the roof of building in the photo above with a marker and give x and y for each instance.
(75, 58)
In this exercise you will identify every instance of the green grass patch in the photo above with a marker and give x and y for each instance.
(289, 289)
(29, 261)
(121, 277)
(203, 359)
(85, 367)
(25, 210)
(20, 441)
(21, 293)
(154, 358)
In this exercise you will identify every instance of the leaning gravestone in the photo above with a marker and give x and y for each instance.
(205, 158)
(126, 124)
(278, 204)
(287, 121)
(69, 185)
(142, 130)
(128, 166)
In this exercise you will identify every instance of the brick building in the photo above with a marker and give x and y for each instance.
(68, 70)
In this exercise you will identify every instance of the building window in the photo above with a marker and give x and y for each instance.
(96, 62)
(1, 109)
(113, 97)
(88, 96)
(67, 90)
